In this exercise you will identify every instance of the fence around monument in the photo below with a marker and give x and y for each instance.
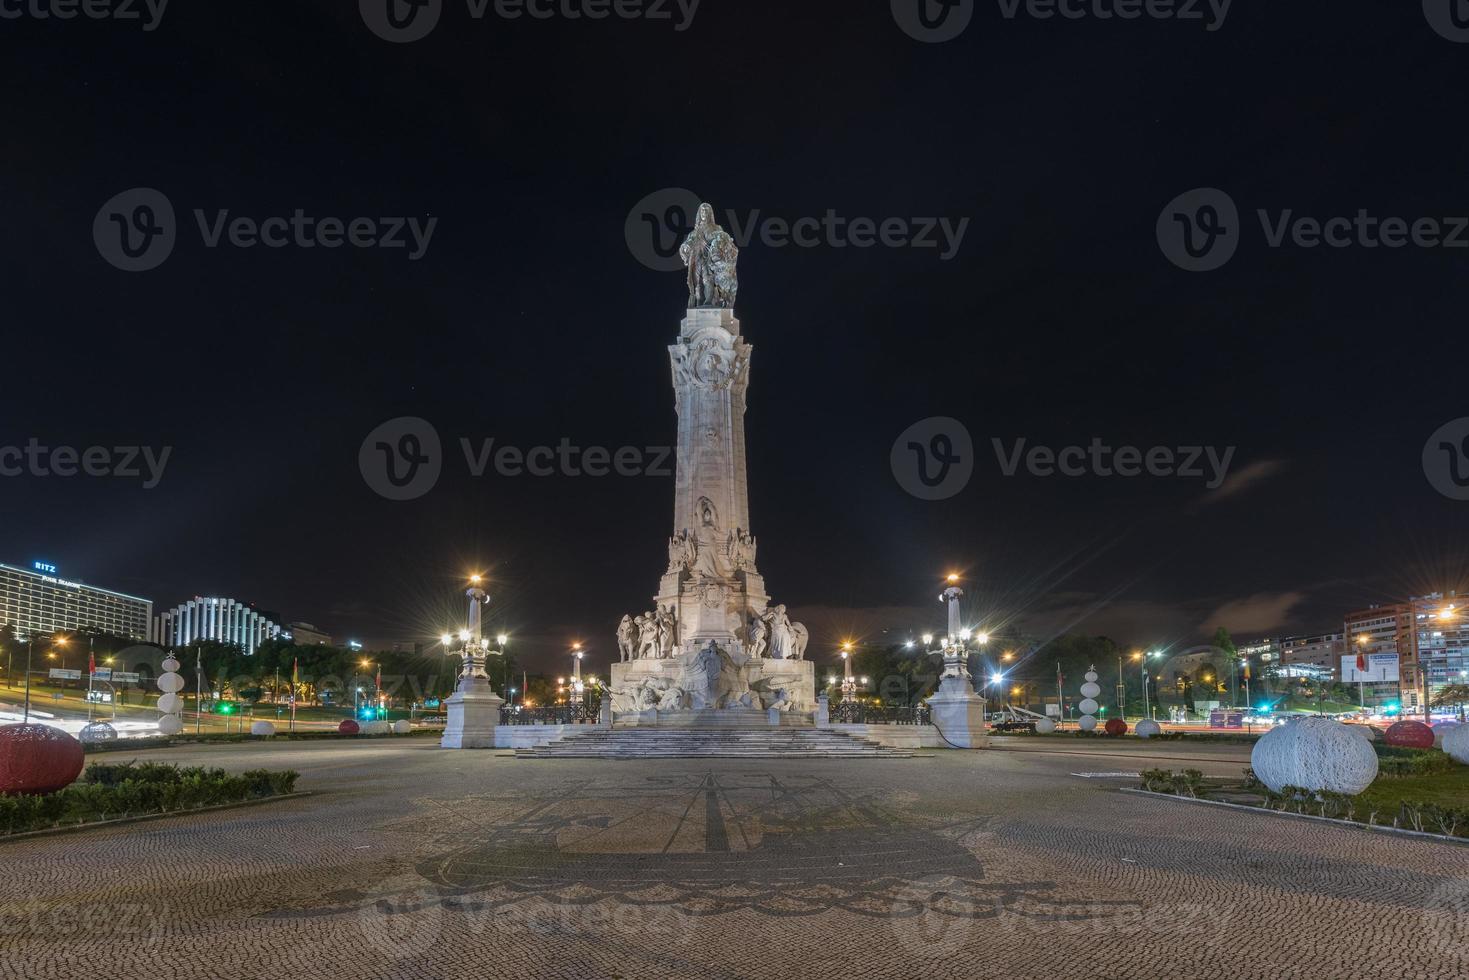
(556, 714)
(856, 713)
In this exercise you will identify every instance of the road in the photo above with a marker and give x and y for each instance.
(1021, 861)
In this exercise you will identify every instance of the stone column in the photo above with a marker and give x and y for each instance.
(958, 712)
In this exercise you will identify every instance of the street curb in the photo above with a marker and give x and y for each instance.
(1379, 828)
(144, 818)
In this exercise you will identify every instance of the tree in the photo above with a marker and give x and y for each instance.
(1452, 696)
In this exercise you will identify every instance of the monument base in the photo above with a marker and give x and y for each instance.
(474, 714)
(958, 714)
(714, 718)
(678, 686)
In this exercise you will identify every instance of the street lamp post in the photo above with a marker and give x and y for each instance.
(849, 683)
(474, 708)
(576, 684)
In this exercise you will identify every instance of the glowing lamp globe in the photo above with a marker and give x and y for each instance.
(348, 727)
(37, 759)
(1410, 735)
(1116, 727)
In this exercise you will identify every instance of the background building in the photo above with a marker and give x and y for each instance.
(38, 600)
(305, 634)
(1440, 639)
(221, 620)
(1318, 657)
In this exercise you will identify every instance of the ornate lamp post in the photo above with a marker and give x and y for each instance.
(577, 688)
(957, 711)
(473, 708)
(849, 683)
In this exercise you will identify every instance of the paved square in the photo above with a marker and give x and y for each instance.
(415, 862)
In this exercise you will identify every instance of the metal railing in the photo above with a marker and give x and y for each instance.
(556, 714)
(856, 713)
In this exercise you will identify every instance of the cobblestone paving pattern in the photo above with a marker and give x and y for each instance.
(414, 862)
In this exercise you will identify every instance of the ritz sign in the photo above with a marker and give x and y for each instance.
(44, 568)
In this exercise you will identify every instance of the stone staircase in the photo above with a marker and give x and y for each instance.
(712, 743)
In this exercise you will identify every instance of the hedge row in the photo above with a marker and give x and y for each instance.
(108, 792)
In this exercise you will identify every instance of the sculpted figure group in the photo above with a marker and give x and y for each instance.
(775, 636)
(649, 636)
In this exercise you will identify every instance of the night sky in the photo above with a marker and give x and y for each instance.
(529, 320)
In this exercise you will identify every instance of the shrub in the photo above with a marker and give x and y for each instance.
(1188, 783)
(1395, 761)
(109, 791)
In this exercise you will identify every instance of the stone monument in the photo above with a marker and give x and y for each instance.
(713, 649)
(473, 708)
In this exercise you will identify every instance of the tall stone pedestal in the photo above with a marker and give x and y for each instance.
(474, 711)
(958, 714)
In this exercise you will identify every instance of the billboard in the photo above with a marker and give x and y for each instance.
(1382, 668)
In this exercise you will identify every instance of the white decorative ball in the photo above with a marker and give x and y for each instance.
(1441, 731)
(170, 704)
(1087, 723)
(1091, 676)
(170, 724)
(1456, 744)
(98, 731)
(1088, 707)
(1147, 728)
(402, 727)
(1045, 726)
(1315, 754)
(376, 728)
(1090, 690)
(170, 683)
(170, 664)
(262, 728)
(1366, 731)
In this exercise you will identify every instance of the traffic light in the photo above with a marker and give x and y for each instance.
(225, 708)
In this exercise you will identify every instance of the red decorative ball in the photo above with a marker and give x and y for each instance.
(38, 759)
(350, 727)
(1410, 735)
(1116, 726)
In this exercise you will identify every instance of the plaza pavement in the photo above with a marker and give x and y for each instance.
(410, 861)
